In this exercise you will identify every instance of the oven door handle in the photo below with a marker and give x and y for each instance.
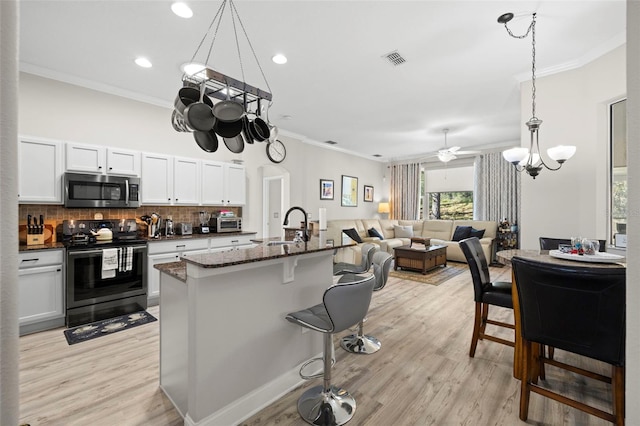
(96, 251)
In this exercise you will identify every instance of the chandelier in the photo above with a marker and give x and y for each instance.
(530, 159)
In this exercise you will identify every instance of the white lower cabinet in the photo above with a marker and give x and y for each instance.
(41, 290)
(167, 251)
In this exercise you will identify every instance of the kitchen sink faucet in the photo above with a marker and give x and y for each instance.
(305, 230)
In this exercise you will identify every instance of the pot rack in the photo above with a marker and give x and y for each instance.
(216, 85)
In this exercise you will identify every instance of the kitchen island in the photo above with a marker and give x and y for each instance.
(226, 350)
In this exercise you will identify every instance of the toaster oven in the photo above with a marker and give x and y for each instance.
(225, 224)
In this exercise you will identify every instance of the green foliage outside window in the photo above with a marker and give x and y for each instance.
(451, 205)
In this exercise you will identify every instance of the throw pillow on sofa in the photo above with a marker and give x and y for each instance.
(403, 231)
(461, 233)
(373, 232)
(478, 233)
(353, 234)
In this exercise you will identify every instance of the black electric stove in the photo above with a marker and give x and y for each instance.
(104, 278)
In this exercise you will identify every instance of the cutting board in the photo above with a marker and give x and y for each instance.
(49, 233)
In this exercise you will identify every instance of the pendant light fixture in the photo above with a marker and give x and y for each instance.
(530, 160)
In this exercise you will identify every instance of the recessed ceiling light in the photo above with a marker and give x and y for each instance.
(192, 68)
(144, 62)
(279, 59)
(182, 10)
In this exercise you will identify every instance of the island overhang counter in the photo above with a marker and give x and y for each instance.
(226, 350)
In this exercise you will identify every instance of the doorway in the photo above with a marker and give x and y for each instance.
(275, 198)
(272, 227)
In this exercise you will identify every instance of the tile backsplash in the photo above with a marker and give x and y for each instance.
(55, 214)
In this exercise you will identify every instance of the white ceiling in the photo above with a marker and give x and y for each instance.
(462, 70)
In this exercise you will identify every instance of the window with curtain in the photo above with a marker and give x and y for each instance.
(447, 193)
(618, 168)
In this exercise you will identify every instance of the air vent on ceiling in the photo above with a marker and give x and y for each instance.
(377, 155)
(331, 142)
(394, 58)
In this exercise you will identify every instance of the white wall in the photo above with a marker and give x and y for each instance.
(573, 107)
(56, 110)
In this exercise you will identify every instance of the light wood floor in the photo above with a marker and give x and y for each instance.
(421, 376)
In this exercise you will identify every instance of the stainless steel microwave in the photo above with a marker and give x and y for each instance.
(225, 224)
(101, 191)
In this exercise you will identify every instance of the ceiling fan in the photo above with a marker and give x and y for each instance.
(447, 153)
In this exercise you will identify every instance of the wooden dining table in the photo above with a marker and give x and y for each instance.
(542, 256)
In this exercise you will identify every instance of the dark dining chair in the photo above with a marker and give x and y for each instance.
(579, 309)
(547, 243)
(486, 293)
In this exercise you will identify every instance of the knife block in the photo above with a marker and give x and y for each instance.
(35, 239)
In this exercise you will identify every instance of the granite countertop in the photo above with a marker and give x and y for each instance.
(175, 269)
(197, 236)
(263, 251)
(24, 247)
(48, 246)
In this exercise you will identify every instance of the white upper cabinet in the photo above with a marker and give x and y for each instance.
(186, 181)
(99, 159)
(157, 179)
(212, 182)
(235, 184)
(223, 183)
(168, 180)
(123, 162)
(40, 171)
(85, 158)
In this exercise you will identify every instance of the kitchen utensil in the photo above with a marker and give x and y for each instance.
(260, 129)
(273, 130)
(208, 141)
(228, 129)
(29, 227)
(177, 121)
(103, 234)
(246, 123)
(235, 145)
(228, 110)
(198, 115)
(168, 227)
(188, 95)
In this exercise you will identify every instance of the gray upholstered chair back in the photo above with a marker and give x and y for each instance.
(368, 251)
(347, 303)
(478, 265)
(381, 262)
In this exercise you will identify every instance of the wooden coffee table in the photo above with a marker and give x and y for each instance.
(419, 260)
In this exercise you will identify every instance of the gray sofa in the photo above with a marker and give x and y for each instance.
(439, 231)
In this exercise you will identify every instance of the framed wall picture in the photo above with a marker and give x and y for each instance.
(368, 194)
(326, 189)
(349, 191)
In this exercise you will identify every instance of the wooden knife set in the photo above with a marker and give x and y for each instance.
(36, 231)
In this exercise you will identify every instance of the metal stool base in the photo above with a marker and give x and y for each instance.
(356, 344)
(335, 407)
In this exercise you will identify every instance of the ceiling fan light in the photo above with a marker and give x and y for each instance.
(561, 153)
(445, 157)
(515, 155)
